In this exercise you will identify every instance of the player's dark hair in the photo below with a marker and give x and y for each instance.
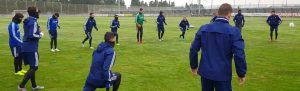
(17, 17)
(108, 36)
(141, 9)
(56, 14)
(33, 11)
(91, 13)
(273, 11)
(225, 9)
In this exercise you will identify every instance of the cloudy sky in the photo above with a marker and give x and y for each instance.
(218, 2)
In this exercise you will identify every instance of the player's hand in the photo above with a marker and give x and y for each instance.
(58, 27)
(194, 72)
(166, 24)
(242, 80)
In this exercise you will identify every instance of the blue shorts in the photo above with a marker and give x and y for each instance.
(160, 29)
(31, 58)
(53, 33)
(16, 51)
(182, 29)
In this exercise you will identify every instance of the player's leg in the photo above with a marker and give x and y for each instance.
(223, 86)
(19, 59)
(276, 32)
(117, 38)
(88, 87)
(183, 34)
(52, 40)
(141, 34)
(90, 39)
(158, 33)
(207, 85)
(86, 38)
(271, 33)
(55, 40)
(162, 33)
(14, 54)
(116, 81)
(32, 59)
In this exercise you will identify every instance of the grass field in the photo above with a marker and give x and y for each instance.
(156, 66)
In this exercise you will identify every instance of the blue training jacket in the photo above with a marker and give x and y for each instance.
(31, 35)
(14, 34)
(115, 24)
(102, 62)
(239, 19)
(220, 42)
(161, 21)
(52, 23)
(184, 24)
(90, 23)
(274, 20)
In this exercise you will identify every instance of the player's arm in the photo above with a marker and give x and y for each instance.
(48, 24)
(36, 34)
(243, 20)
(280, 20)
(195, 48)
(95, 25)
(58, 24)
(12, 32)
(108, 63)
(268, 20)
(165, 21)
(239, 54)
(84, 25)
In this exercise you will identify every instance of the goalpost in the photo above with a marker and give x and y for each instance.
(24, 12)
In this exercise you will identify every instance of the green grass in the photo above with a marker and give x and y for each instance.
(156, 66)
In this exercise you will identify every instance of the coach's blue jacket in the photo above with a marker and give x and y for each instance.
(14, 34)
(239, 19)
(184, 24)
(220, 42)
(31, 35)
(90, 23)
(102, 62)
(274, 20)
(161, 21)
(52, 23)
(115, 24)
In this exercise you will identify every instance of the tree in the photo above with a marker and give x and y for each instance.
(135, 3)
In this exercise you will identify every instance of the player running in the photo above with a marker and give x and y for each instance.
(52, 26)
(88, 27)
(15, 42)
(100, 75)
(32, 34)
(161, 21)
(115, 25)
(274, 21)
(239, 20)
(184, 25)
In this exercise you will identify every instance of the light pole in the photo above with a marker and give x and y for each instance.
(199, 2)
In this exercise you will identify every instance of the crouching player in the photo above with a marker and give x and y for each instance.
(100, 75)
(15, 43)
(184, 25)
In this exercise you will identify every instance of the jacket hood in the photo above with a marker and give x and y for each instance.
(103, 46)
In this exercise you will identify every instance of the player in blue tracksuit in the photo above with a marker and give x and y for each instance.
(274, 21)
(100, 75)
(219, 43)
(161, 21)
(15, 42)
(239, 20)
(88, 27)
(32, 34)
(184, 25)
(115, 24)
(52, 26)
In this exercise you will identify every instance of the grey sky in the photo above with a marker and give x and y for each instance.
(218, 2)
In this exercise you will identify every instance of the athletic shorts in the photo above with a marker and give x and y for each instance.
(53, 33)
(31, 58)
(160, 29)
(16, 51)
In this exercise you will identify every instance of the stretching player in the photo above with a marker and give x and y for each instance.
(32, 34)
(274, 21)
(115, 24)
(184, 25)
(100, 75)
(88, 27)
(160, 25)
(52, 26)
(15, 42)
